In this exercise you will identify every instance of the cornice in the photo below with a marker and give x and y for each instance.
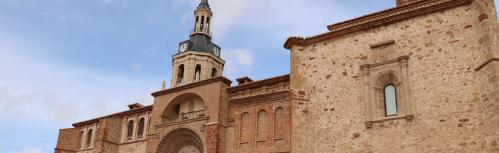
(64, 150)
(263, 97)
(256, 84)
(124, 113)
(181, 122)
(378, 19)
(197, 53)
(192, 85)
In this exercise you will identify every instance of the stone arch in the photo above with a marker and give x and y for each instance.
(261, 125)
(244, 127)
(181, 104)
(279, 123)
(178, 139)
(380, 82)
(381, 79)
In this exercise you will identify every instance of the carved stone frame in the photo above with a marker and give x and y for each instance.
(375, 77)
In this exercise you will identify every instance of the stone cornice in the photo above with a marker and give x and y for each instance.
(65, 150)
(486, 63)
(192, 85)
(256, 84)
(378, 19)
(166, 124)
(186, 53)
(124, 113)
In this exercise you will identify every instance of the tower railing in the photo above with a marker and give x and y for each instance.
(203, 30)
(184, 116)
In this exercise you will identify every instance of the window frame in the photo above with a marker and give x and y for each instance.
(396, 100)
(130, 126)
(88, 142)
(141, 127)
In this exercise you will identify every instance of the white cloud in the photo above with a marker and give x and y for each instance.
(239, 62)
(27, 150)
(38, 88)
(279, 17)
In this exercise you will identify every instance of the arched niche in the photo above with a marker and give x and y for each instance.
(186, 106)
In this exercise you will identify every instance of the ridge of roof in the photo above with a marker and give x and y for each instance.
(372, 20)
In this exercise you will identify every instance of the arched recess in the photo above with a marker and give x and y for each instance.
(383, 80)
(180, 140)
(186, 106)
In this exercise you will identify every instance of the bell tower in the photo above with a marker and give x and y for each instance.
(202, 18)
(197, 58)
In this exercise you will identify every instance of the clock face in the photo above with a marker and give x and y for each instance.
(216, 51)
(183, 47)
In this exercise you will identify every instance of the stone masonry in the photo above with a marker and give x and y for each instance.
(441, 57)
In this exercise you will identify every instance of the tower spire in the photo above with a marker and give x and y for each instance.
(204, 4)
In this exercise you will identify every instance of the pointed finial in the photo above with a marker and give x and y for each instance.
(204, 4)
(163, 86)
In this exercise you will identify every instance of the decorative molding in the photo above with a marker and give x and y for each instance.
(486, 63)
(273, 96)
(382, 44)
(192, 85)
(370, 124)
(181, 122)
(382, 18)
(65, 150)
(120, 114)
(256, 84)
(399, 59)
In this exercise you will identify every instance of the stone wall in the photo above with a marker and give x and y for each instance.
(68, 140)
(451, 114)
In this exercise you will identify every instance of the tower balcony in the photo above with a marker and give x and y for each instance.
(202, 31)
(200, 114)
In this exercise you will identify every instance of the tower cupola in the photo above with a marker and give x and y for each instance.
(202, 19)
(198, 58)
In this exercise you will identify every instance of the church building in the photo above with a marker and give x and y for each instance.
(420, 77)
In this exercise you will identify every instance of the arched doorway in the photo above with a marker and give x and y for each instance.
(181, 141)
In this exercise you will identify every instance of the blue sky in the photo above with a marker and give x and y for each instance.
(64, 61)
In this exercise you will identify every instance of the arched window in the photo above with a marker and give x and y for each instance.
(390, 100)
(140, 132)
(197, 73)
(196, 24)
(202, 24)
(207, 24)
(129, 132)
(245, 127)
(261, 127)
(180, 73)
(279, 123)
(89, 137)
(82, 140)
(213, 72)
